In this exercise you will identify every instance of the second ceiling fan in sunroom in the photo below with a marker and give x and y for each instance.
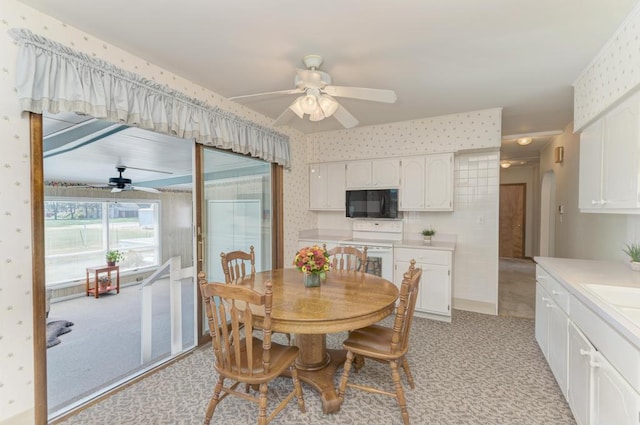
(317, 96)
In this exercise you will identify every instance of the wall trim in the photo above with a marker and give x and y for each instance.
(475, 306)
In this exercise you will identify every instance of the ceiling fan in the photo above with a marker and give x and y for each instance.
(317, 96)
(119, 184)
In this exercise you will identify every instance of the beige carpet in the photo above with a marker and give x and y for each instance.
(517, 287)
(479, 369)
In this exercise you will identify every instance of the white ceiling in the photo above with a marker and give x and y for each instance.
(440, 57)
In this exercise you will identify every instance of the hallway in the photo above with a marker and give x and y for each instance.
(517, 287)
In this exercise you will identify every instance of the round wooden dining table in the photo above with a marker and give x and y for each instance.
(344, 301)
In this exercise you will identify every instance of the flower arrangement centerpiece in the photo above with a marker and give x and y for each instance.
(313, 262)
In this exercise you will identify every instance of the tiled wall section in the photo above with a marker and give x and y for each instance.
(16, 348)
(612, 74)
(475, 216)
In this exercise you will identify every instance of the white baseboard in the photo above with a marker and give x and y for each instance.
(475, 306)
(25, 418)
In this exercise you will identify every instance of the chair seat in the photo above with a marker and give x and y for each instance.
(281, 357)
(373, 341)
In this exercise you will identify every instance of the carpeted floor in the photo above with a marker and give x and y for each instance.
(479, 369)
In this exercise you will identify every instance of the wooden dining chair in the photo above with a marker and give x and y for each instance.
(243, 358)
(347, 258)
(235, 264)
(386, 344)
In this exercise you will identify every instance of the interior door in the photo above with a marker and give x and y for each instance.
(512, 219)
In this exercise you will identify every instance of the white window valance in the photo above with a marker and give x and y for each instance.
(55, 78)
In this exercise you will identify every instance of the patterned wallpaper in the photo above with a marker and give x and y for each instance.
(16, 348)
(611, 75)
(448, 133)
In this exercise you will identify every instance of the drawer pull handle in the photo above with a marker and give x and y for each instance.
(540, 277)
(551, 306)
(584, 352)
(555, 293)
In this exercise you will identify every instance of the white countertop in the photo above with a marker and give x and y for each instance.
(444, 242)
(572, 273)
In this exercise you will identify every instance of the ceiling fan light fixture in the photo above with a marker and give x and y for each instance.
(296, 107)
(524, 141)
(309, 104)
(317, 115)
(328, 105)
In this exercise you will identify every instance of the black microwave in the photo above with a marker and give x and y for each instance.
(381, 203)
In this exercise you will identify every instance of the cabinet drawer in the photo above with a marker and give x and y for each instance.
(425, 256)
(557, 292)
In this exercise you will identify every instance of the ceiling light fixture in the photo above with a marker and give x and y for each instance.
(317, 106)
(505, 164)
(524, 141)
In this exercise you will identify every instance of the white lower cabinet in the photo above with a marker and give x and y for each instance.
(568, 333)
(551, 330)
(614, 400)
(579, 374)
(434, 295)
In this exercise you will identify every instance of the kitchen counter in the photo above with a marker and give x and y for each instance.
(444, 242)
(574, 274)
(440, 245)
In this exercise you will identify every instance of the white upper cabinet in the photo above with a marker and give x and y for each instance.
(327, 186)
(439, 182)
(412, 178)
(609, 161)
(373, 174)
(426, 183)
(385, 173)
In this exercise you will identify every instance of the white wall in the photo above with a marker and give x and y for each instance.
(475, 216)
(529, 176)
(16, 324)
(583, 235)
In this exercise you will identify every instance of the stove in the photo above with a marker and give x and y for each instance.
(378, 236)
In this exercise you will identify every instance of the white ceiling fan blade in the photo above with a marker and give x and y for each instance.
(270, 93)
(128, 167)
(345, 118)
(375, 95)
(145, 189)
(284, 117)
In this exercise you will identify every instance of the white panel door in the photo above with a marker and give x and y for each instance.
(435, 289)
(317, 186)
(439, 182)
(590, 173)
(359, 174)
(385, 173)
(620, 155)
(614, 400)
(542, 319)
(558, 341)
(412, 183)
(579, 375)
(336, 185)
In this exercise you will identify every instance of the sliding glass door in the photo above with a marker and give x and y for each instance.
(236, 209)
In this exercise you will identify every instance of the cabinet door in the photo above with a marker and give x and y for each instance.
(439, 182)
(318, 186)
(558, 341)
(335, 186)
(434, 295)
(614, 400)
(412, 183)
(398, 275)
(358, 174)
(590, 173)
(579, 375)
(541, 325)
(620, 155)
(385, 173)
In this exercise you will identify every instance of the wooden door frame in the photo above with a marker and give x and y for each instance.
(524, 215)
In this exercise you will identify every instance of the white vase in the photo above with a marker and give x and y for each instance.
(635, 265)
(427, 239)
